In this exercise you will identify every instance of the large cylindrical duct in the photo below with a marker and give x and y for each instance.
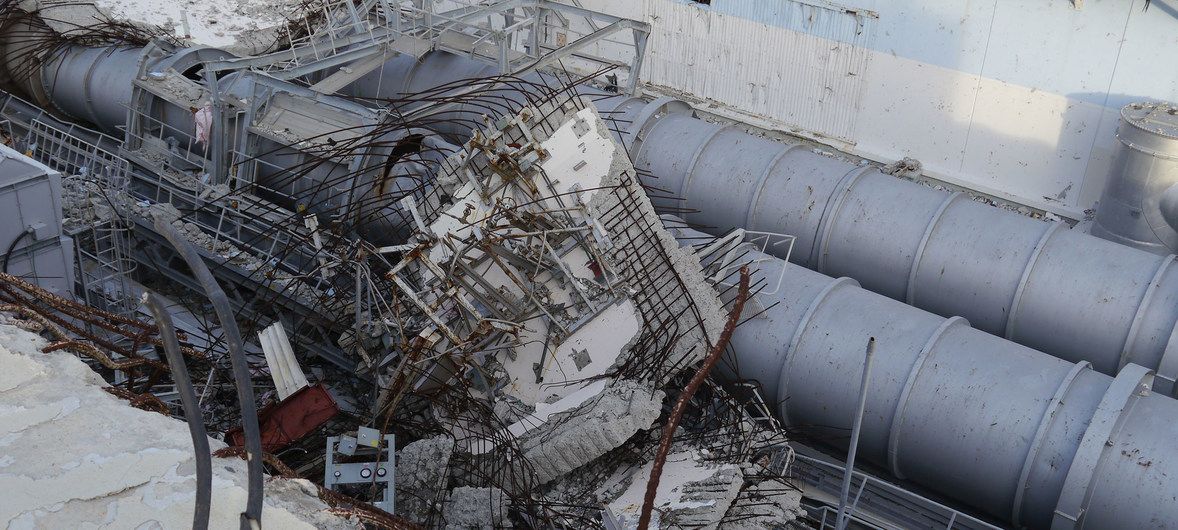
(1019, 434)
(95, 84)
(1131, 209)
(1037, 283)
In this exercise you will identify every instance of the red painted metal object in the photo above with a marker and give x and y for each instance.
(286, 421)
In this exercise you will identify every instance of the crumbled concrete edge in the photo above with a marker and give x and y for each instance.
(766, 504)
(682, 261)
(708, 499)
(577, 436)
(421, 477)
(72, 455)
(470, 507)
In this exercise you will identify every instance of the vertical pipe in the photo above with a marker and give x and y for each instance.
(196, 425)
(845, 492)
(252, 516)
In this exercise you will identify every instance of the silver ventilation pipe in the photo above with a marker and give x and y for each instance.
(1021, 435)
(1037, 283)
(1139, 206)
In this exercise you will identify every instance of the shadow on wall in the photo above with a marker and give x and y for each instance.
(1008, 97)
(1105, 144)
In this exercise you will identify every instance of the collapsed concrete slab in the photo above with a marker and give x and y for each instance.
(575, 437)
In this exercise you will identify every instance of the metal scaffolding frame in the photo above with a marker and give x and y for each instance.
(358, 36)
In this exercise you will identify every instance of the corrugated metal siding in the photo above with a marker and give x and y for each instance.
(814, 84)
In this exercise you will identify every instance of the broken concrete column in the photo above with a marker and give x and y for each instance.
(579, 435)
(421, 476)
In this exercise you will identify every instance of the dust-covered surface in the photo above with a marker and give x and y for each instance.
(75, 456)
(239, 26)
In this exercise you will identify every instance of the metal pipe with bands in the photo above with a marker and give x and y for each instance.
(1019, 434)
(1039, 284)
(95, 85)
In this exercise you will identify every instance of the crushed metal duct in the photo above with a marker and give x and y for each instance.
(1024, 436)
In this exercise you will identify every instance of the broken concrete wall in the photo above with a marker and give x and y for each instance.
(573, 438)
(478, 508)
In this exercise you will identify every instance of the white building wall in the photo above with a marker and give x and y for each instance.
(1017, 98)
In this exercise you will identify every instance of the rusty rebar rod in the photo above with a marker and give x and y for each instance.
(698, 379)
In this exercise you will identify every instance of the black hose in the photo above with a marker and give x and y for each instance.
(8, 253)
(196, 426)
(252, 517)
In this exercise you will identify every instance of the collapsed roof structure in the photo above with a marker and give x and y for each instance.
(431, 238)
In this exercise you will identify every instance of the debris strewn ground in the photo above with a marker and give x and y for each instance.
(76, 456)
(238, 26)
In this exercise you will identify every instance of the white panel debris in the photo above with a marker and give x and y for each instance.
(280, 358)
(75, 456)
(536, 246)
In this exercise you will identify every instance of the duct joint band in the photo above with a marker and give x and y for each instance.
(1146, 299)
(644, 121)
(1114, 407)
(1011, 318)
(687, 177)
(1168, 367)
(910, 291)
(750, 218)
(833, 206)
(87, 81)
(1040, 433)
(909, 383)
(796, 339)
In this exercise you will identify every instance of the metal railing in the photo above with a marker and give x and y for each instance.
(99, 178)
(876, 503)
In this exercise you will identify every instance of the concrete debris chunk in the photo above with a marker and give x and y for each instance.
(421, 476)
(693, 492)
(479, 508)
(763, 505)
(575, 437)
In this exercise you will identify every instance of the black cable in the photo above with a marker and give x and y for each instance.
(8, 253)
(252, 517)
(196, 425)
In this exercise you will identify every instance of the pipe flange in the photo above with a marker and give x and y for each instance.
(909, 383)
(1167, 372)
(796, 339)
(1045, 423)
(646, 119)
(1028, 269)
(1134, 381)
(910, 289)
(1146, 300)
(834, 205)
